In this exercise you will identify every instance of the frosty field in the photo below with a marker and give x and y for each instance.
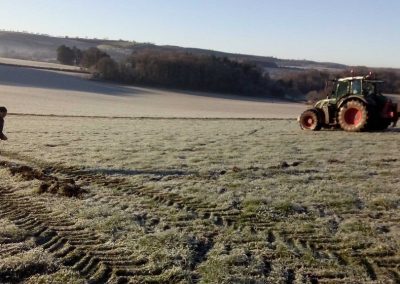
(32, 91)
(196, 201)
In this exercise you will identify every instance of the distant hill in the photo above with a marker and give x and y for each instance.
(43, 48)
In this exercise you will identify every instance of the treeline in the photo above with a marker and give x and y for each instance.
(74, 56)
(197, 72)
(304, 83)
(173, 70)
(208, 73)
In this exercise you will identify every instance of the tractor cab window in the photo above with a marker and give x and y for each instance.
(378, 88)
(342, 88)
(356, 87)
(369, 88)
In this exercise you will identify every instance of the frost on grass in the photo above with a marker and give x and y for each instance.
(214, 201)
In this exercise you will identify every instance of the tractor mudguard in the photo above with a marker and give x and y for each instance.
(346, 99)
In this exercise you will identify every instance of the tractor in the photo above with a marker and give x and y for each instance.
(354, 104)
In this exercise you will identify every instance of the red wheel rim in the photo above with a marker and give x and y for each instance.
(308, 121)
(353, 116)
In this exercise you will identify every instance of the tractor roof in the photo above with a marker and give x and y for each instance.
(366, 78)
(351, 78)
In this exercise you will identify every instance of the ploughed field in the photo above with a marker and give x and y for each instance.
(196, 201)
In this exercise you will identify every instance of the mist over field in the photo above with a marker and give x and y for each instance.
(175, 67)
(44, 48)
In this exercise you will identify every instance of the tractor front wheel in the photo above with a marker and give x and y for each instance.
(353, 116)
(309, 120)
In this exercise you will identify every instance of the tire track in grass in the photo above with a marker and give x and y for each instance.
(76, 247)
(324, 246)
(217, 216)
(70, 247)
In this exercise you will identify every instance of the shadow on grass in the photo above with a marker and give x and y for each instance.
(66, 81)
(34, 78)
(393, 130)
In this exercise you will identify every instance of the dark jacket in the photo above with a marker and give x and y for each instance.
(1, 127)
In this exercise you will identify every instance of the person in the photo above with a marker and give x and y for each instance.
(3, 113)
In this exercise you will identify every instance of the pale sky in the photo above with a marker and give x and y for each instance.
(352, 32)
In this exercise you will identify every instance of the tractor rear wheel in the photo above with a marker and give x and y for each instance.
(353, 116)
(309, 120)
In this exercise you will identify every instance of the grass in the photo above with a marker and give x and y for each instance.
(8, 231)
(219, 201)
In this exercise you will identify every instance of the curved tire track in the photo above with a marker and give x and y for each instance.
(82, 250)
(85, 252)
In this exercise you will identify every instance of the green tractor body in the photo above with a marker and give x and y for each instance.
(353, 104)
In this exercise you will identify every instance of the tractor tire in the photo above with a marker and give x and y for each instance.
(309, 120)
(353, 116)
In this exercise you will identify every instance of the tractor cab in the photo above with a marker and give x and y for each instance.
(356, 86)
